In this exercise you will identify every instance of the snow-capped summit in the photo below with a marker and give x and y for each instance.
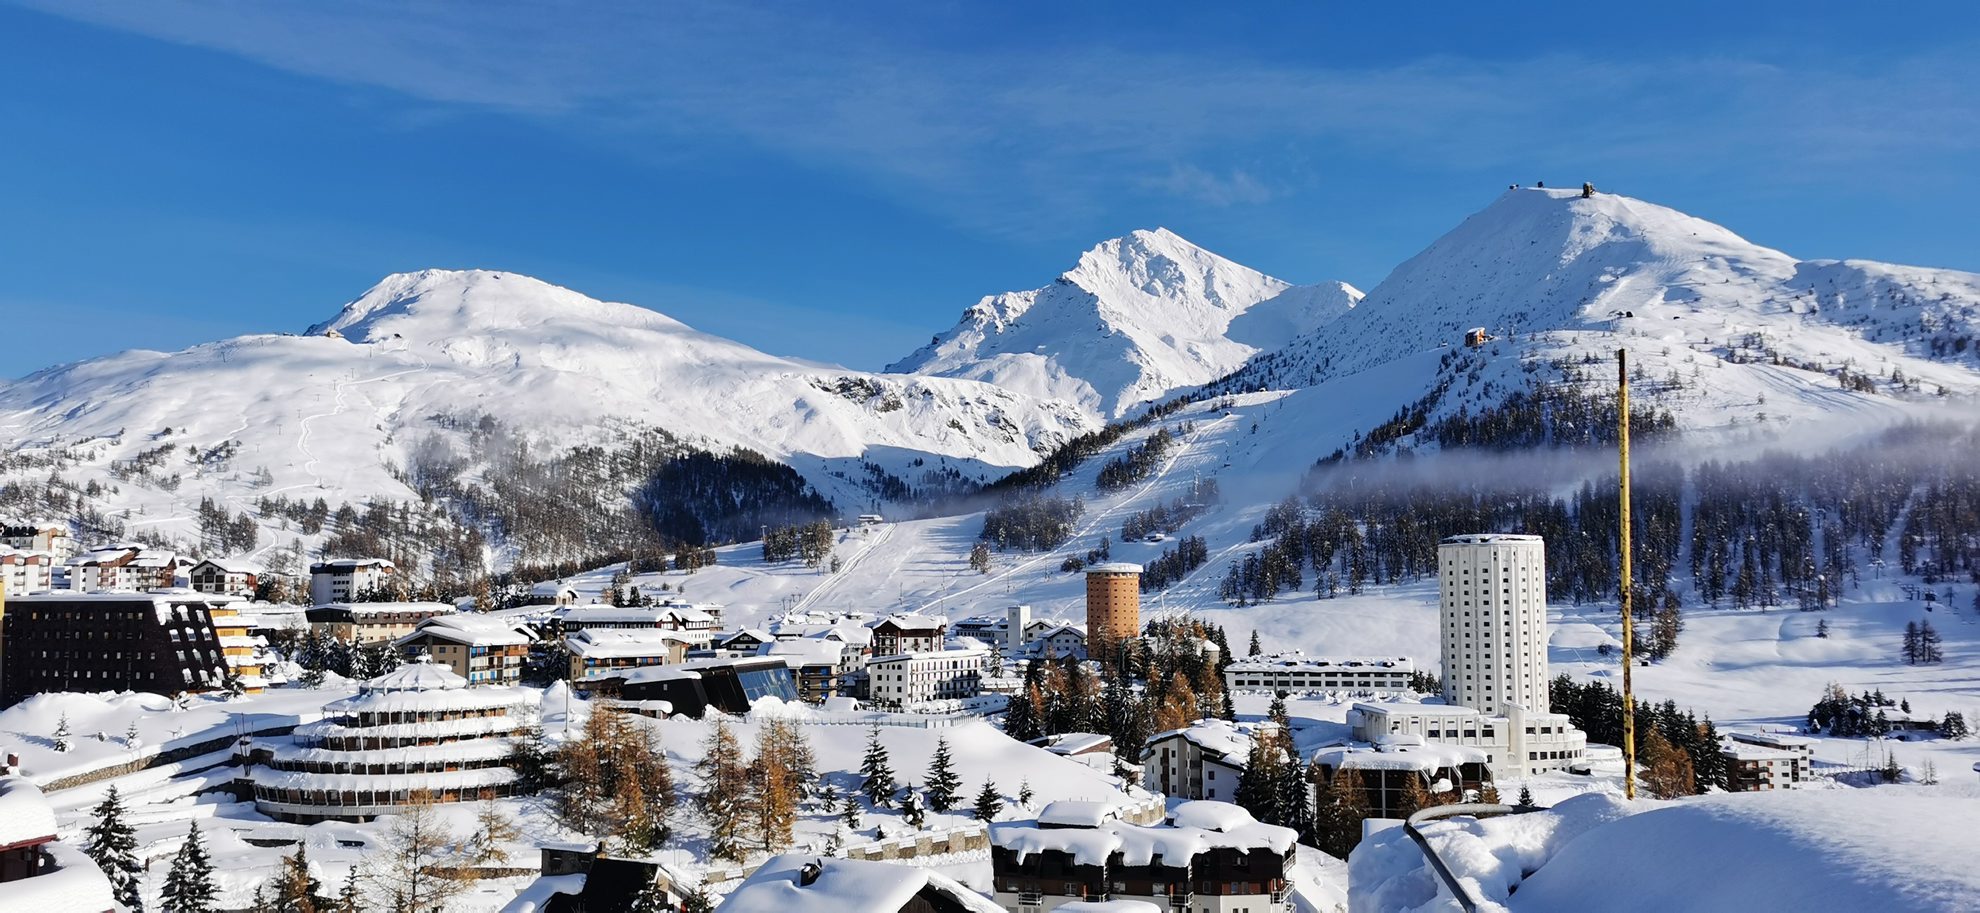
(1550, 270)
(1136, 317)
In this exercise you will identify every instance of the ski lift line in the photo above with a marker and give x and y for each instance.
(1188, 444)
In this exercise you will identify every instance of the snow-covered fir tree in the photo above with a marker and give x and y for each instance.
(943, 783)
(111, 843)
(878, 785)
(189, 886)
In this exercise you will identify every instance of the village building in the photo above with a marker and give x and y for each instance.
(225, 576)
(340, 580)
(597, 652)
(1759, 761)
(1056, 642)
(1492, 600)
(899, 634)
(1094, 749)
(23, 572)
(1294, 673)
(816, 663)
(664, 617)
(1203, 760)
(798, 882)
(1207, 856)
(162, 643)
(746, 642)
(554, 593)
(691, 689)
(373, 622)
(1387, 772)
(904, 680)
(124, 568)
(1113, 602)
(38, 872)
(50, 537)
(415, 734)
(481, 649)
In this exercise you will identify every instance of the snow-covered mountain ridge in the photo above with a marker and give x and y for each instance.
(333, 413)
(1733, 328)
(1136, 317)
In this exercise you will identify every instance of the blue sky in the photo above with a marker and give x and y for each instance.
(840, 180)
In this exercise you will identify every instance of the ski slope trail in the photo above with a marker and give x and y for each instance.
(880, 538)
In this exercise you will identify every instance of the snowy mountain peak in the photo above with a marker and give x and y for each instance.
(1135, 317)
(455, 301)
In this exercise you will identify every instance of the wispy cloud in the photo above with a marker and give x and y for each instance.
(1010, 139)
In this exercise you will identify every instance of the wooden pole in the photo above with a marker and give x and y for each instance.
(1625, 587)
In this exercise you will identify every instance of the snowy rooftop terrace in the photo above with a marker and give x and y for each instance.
(1295, 660)
(784, 885)
(1194, 828)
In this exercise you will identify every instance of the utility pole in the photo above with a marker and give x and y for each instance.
(1628, 619)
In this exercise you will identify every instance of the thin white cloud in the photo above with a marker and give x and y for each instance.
(1014, 139)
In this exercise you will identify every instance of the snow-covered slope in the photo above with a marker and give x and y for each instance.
(337, 408)
(1552, 275)
(1137, 317)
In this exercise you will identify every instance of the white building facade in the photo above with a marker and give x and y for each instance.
(906, 679)
(346, 579)
(1298, 674)
(1493, 599)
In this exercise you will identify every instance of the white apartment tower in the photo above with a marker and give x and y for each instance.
(1494, 595)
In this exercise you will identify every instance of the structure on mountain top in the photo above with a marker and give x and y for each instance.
(1587, 190)
(1476, 336)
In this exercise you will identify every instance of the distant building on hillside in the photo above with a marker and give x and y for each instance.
(817, 664)
(1206, 856)
(345, 579)
(598, 652)
(1113, 602)
(123, 568)
(669, 616)
(225, 576)
(49, 537)
(908, 634)
(26, 572)
(1387, 771)
(479, 648)
(1758, 761)
(1298, 674)
(162, 643)
(373, 622)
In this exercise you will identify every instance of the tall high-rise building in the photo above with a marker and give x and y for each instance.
(1494, 615)
(1113, 602)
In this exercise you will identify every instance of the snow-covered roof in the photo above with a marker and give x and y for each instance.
(1489, 538)
(347, 564)
(1220, 738)
(391, 608)
(1072, 743)
(232, 565)
(646, 615)
(1743, 751)
(629, 642)
(422, 675)
(844, 886)
(1285, 662)
(474, 778)
(1774, 739)
(25, 816)
(956, 652)
(1077, 813)
(908, 622)
(1114, 567)
(1230, 827)
(1412, 708)
(474, 630)
(757, 634)
(806, 650)
(1430, 756)
(70, 884)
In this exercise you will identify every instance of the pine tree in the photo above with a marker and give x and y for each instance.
(1929, 650)
(1953, 726)
(413, 868)
(189, 886)
(849, 811)
(62, 733)
(943, 783)
(1255, 650)
(112, 844)
(1025, 794)
(350, 899)
(1667, 771)
(879, 785)
(776, 787)
(650, 899)
(297, 891)
(1526, 798)
(911, 809)
(1910, 649)
(726, 803)
(988, 801)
